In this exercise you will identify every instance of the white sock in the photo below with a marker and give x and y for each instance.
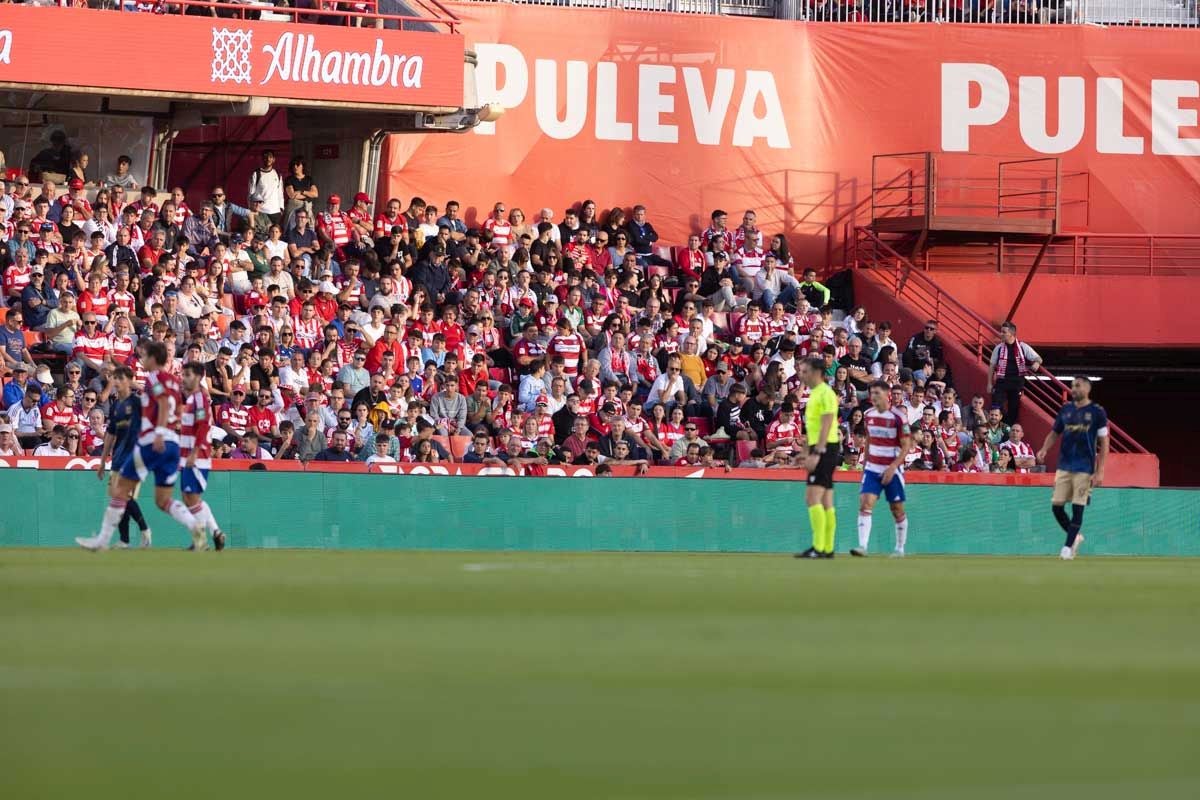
(864, 530)
(901, 534)
(180, 514)
(204, 514)
(112, 518)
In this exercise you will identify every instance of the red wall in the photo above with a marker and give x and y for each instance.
(1118, 311)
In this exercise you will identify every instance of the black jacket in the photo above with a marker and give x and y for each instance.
(433, 279)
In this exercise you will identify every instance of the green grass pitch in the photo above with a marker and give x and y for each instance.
(467, 675)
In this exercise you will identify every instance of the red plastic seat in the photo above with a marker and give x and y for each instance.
(459, 446)
(744, 446)
(703, 425)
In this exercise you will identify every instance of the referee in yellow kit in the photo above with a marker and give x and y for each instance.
(823, 455)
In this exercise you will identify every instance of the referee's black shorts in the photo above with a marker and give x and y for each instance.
(826, 465)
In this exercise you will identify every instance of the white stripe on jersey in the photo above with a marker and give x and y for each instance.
(884, 432)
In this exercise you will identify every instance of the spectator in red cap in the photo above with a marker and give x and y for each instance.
(360, 216)
(334, 226)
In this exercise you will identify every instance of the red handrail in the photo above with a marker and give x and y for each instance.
(1097, 254)
(348, 13)
(875, 259)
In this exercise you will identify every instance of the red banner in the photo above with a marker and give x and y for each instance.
(238, 58)
(691, 113)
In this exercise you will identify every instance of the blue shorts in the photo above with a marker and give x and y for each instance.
(872, 483)
(193, 480)
(144, 461)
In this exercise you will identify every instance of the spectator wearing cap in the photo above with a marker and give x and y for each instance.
(729, 421)
(432, 275)
(718, 284)
(334, 226)
(360, 217)
(9, 446)
(717, 387)
(15, 388)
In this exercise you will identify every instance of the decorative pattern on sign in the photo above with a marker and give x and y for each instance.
(231, 55)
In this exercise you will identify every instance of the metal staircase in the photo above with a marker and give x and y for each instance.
(875, 260)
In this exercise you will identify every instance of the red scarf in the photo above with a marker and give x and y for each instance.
(1002, 364)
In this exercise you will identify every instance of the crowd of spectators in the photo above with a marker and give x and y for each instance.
(335, 331)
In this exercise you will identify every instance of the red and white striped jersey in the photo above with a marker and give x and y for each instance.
(885, 429)
(752, 330)
(571, 348)
(545, 424)
(778, 327)
(195, 423)
(307, 332)
(740, 239)
(1020, 449)
(121, 349)
(711, 233)
(501, 231)
(17, 279)
(783, 430)
(160, 385)
(122, 300)
(237, 417)
(93, 347)
(335, 226)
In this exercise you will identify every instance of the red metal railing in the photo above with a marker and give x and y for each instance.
(876, 260)
(1096, 254)
(347, 13)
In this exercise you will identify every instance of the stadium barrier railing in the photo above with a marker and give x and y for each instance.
(1155, 13)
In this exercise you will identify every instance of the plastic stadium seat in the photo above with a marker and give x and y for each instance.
(500, 374)
(459, 446)
(720, 321)
(735, 318)
(743, 449)
(655, 269)
(31, 337)
(664, 251)
(3, 314)
(703, 425)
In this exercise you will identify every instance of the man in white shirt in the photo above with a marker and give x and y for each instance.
(267, 183)
(54, 447)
